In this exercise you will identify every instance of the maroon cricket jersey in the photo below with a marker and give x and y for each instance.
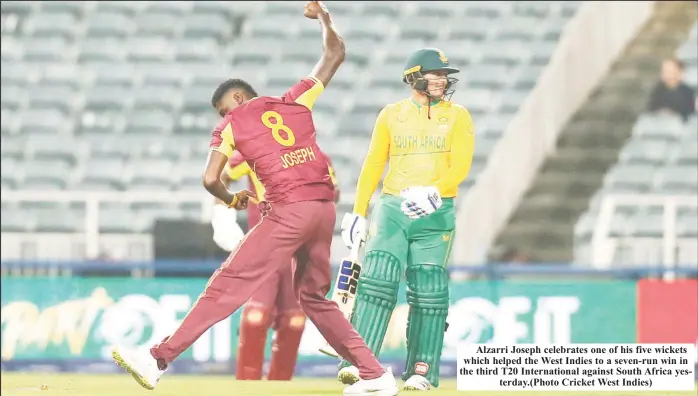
(276, 136)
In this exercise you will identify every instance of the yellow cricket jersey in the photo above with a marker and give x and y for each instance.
(426, 146)
(243, 169)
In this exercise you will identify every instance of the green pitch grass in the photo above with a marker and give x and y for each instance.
(14, 384)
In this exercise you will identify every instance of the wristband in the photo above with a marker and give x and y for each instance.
(234, 201)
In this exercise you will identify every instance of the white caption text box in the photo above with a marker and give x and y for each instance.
(576, 367)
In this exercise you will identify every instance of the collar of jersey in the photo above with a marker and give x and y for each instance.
(419, 105)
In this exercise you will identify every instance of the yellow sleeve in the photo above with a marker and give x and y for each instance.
(374, 164)
(462, 148)
(238, 171)
(311, 89)
(223, 141)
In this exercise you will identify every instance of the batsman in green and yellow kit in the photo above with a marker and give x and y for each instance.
(428, 144)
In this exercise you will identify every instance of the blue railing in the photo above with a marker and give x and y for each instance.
(204, 268)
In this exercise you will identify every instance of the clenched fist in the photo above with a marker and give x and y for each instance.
(313, 9)
(241, 199)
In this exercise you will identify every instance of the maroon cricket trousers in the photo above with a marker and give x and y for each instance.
(277, 294)
(303, 229)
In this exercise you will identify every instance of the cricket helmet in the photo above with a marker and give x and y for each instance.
(428, 60)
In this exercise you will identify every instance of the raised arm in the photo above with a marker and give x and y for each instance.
(462, 148)
(333, 51)
(374, 164)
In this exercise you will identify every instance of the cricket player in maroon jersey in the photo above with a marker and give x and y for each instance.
(272, 306)
(276, 136)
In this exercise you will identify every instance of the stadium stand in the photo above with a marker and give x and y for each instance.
(93, 91)
(660, 157)
(588, 146)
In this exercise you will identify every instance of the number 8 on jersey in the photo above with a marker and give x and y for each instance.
(278, 125)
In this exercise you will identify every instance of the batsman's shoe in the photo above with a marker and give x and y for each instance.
(348, 375)
(140, 364)
(417, 383)
(384, 385)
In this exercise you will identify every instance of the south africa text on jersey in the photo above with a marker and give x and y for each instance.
(428, 142)
(295, 157)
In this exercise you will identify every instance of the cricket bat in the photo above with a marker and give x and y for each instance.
(345, 288)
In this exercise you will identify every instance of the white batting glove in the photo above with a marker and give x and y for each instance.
(353, 229)
(420, 201)
(227, 234)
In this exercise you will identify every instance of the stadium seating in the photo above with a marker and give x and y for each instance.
(661, 157)
(88, 86)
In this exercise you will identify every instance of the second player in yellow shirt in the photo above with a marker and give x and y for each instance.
(427, 142)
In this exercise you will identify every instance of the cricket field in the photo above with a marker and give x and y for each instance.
(17, 384)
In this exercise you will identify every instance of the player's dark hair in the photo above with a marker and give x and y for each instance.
(232, 83)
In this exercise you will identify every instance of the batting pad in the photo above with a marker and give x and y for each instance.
(376, 298)
(427, 296)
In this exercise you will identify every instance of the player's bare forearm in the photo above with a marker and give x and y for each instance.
(332, 46)
(226, 181)
(220, 191)
(225, 177)
(332, 42)
(223, 195)
(212, 177)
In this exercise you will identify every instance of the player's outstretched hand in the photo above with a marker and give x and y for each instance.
(313, 9)
(243, 198)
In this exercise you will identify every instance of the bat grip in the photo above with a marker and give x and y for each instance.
(354, 253)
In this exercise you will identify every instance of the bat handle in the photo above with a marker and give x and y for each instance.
(354, 253)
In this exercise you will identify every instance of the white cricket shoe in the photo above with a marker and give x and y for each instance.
(417, 383)
(140, 364)
(384, 385)
(348, 375)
